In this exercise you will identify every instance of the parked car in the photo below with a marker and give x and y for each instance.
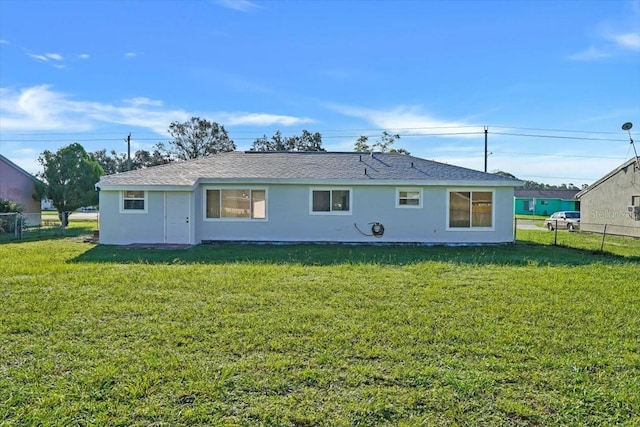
(569, 220)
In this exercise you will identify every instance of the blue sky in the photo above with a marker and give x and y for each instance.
(552, 81)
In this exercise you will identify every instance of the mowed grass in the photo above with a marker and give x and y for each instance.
(525, 334)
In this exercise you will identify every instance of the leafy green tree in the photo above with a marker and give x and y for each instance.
(383, 144)
(306, 141)
(113, 162)
(68, 179)
(144, 159)
(8, 206)
(8, 223)
(197, 138)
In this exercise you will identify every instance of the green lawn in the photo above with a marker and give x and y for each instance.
(515, 335)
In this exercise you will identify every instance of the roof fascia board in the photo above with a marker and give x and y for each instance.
(18, 168)
(606, 177)
(146, 187)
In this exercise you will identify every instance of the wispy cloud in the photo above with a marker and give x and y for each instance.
(54, 59)
(630, 41)
(262, 119)
(39, 108)
(590, 54)
(613, 37)
(408, 120)
(84, 56)
(4, 42)
(239, 5)
(129, 55)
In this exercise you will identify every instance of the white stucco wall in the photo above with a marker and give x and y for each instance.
(117, 228)
(289, 219)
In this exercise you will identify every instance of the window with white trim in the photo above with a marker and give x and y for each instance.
(331, 201)
(408, 198)
(134, 201)
(470, 209)
(236, 203)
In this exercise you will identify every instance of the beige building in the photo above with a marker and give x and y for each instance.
(613, 200)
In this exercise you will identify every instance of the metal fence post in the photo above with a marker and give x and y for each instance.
(555, 234)
(604, 233)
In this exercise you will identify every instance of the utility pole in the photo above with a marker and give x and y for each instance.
(486, 131)
(128, 141)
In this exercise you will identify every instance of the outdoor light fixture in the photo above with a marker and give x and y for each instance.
(627, 126)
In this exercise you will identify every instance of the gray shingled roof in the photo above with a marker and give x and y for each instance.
(302, 167)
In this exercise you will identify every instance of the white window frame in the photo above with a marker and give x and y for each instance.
(236, 187)
(471, 190)
(330, 190)
(145, 198)
(412, 190)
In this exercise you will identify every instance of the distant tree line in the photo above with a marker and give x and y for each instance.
(532, 185)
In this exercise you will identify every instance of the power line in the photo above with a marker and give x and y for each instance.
(582, 138)
(556, 155)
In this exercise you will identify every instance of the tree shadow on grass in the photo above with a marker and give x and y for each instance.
(522, 253)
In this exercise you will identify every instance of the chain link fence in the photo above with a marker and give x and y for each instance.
(591, 236)
(17, 226)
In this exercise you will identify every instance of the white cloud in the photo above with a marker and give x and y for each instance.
(130, 55)
(53, 59)
(408, 120)
(630, 41)
(262, 119)
(592, 53)
(4, 42)
(84, 56)
(140, 101)
(40, 108)
(47, 57)
(239, 5)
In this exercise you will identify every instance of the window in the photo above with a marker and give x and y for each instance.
(635, 200)
(236, 203)
(336, 201)
(134, 201)
(408, 198)
(470, 209)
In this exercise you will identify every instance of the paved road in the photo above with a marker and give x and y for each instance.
(528, 224)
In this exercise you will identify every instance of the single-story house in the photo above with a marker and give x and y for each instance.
(613, 200)
(306, 197)
(18, 185)
(544, 202)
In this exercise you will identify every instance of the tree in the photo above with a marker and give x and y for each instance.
(8, 222)
(197, 138)
(505, 174)
(307, 141)
(144, 159)
(383, 144)
(68, 179)
(116, 163)
(111, 164)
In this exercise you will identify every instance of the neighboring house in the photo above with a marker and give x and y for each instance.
(47, 205)
(18, 185)
(544, 202)
(306, 197)
(613, 200)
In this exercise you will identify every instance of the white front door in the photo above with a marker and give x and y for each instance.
(177, 217)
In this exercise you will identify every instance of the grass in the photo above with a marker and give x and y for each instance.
(516, 335)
